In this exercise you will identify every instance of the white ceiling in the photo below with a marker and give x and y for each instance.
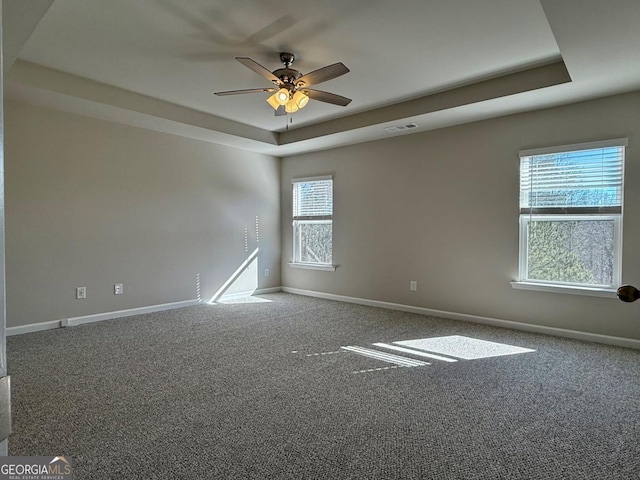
(156, 63)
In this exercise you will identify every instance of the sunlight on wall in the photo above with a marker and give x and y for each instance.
(241, 284)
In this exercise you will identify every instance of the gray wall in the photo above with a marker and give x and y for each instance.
(92, 203)
(441, 208)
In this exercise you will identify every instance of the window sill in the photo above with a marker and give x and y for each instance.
(571, 289)
(314, 266)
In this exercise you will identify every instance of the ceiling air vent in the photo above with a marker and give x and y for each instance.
(400, 128)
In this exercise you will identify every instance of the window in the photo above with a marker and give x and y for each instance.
(571, 215)
(313, 222)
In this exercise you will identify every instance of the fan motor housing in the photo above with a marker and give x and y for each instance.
(287, 75)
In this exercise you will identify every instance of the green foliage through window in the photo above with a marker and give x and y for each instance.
(577, 251)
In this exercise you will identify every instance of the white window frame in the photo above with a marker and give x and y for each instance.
(296, 262)
(617, 251)
(525, 218)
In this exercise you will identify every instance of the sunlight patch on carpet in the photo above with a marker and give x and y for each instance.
(247, 299)
(466, 348)
(418, 353)
(385, 357)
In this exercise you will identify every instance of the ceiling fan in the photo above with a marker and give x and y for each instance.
(291, 86)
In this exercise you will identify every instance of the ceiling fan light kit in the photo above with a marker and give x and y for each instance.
(290, 86)
(291, 102)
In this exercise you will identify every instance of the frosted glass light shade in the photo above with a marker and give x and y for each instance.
(272, 100)
(291, 106)
(282, 96)
(301, 99)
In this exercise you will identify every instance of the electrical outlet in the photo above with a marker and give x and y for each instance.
(266, 272)
(118, 289)
(81, 293)
(413, 286)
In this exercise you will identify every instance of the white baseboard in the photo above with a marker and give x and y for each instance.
(98, 317)
(527, 327)
(33, 327)
(268, 290)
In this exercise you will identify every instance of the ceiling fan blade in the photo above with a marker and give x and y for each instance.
(327, 97)
(322, 74)
(248, 90)
(280, 111)
(259, 69)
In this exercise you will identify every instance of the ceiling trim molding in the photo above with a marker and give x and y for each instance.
(505, 85)
(72, 86)
(31, 83)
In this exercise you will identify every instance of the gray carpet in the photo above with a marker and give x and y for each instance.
(215, 392)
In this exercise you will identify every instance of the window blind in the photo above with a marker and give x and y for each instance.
(313, 199)
(580, 181)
